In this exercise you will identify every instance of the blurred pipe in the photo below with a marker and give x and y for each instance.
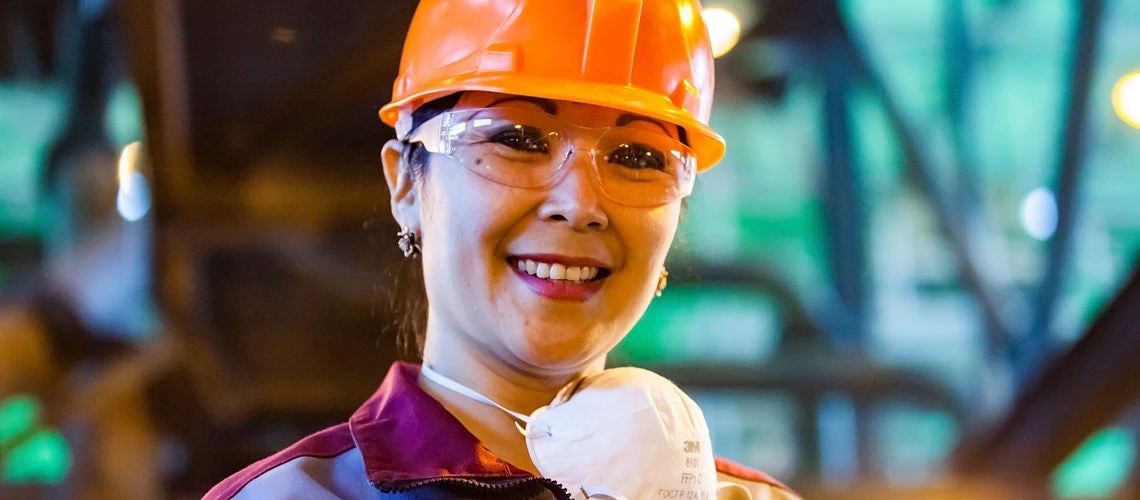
(838, 426)
(959, 76)
(844, 214)
(999, 329)
(967, 194)
(84, 60)
(1037, 344)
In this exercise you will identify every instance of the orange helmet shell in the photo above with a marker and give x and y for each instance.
(650, 57)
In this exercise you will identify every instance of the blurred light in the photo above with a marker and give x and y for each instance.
(128, 164)
(1098, 467)
(18, 414)
(43, 458)
(284, 36)
(724, 29)
(134, 192)
(687, 17)
(1126, 99)
(1039, 214)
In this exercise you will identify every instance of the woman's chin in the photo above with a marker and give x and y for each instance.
(549, 350)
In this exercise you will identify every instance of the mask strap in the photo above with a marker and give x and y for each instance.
(454, 386)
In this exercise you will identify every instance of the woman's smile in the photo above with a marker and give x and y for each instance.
(560, 277)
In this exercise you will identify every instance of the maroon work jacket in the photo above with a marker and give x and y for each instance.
(402, 443)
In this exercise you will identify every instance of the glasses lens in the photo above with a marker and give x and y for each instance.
(642, 168)
(511, 147)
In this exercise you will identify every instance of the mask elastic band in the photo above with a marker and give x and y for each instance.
(463, 390)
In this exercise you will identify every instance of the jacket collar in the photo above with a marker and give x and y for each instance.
(403, 433)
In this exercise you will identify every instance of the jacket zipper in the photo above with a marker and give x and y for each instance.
(555, 487)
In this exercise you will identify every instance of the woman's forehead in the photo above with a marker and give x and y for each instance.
(589, 115)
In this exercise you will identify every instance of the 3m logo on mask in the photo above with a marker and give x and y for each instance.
(692, 476)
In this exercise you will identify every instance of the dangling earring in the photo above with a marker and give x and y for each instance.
(408, 242)
(663, 281)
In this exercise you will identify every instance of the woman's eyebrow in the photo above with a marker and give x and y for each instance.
(625, 118)
(546, 104)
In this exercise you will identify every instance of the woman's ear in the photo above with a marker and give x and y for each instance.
(401, 184)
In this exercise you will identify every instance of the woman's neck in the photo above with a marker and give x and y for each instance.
(500, 380)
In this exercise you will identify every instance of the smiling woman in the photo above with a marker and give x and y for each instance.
(541, 160)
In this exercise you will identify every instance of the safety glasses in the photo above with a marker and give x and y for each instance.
(633, 164)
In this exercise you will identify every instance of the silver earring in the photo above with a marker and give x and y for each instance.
(662, 282)
(408, 242)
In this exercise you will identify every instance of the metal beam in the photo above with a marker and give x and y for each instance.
(959, 69)
(1037, 344)
(841, 192)
(999, 328)
(1079, 393)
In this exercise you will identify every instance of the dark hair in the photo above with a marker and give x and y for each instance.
(409, 296)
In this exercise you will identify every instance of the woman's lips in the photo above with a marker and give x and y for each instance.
(579, 291)
(558, 277)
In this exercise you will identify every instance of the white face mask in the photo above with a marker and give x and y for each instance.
(624, 433)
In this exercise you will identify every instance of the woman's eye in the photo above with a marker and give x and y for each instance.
(522, 138)
(637, 157)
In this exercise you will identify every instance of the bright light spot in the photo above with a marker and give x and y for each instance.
(1098, 468)
(134, 192)
(128, 164)
(724, 29)
(135, 203)
(1126, 99)
(18, 414)
(687, 16)
(44, 458)
(1039, 214)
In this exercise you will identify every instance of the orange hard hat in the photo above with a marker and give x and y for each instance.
(650, 57)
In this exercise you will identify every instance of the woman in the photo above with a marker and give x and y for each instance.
(544, 149)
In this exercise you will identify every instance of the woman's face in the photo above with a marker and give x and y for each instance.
(475, 232)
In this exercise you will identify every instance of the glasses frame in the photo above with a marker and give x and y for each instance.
(433, 135)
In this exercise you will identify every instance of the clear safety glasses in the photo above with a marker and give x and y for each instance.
(634, 164)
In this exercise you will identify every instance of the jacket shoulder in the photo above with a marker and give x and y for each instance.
(760, 485)
(328, 443)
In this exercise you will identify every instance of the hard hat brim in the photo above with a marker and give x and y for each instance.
(706, 143)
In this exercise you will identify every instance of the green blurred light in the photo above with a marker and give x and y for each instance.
(123, 118)
(42, 458)
(1098, 467)
(29, 119)
(695, 324)
(18, 414)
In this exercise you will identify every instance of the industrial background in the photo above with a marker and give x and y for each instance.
(913, 276)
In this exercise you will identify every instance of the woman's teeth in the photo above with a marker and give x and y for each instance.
(550, 271)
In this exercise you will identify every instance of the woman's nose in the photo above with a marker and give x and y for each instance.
(575, 198)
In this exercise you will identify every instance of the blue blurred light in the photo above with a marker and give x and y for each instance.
(134, 203)
(134, 191)
(1039, 214)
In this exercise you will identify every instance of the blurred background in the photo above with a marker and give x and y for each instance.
(913, 276)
